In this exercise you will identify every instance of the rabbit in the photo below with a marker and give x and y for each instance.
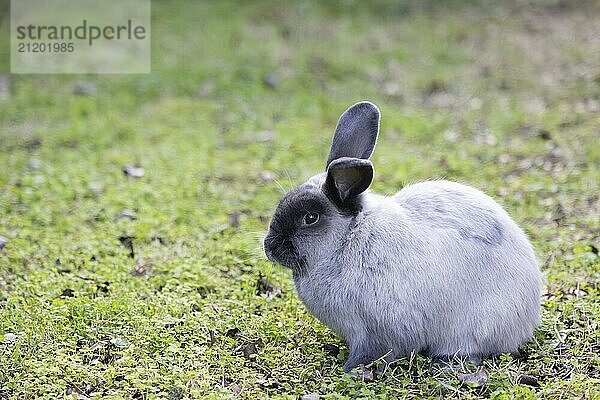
(438, 269)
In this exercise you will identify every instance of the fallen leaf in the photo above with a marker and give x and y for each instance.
(142, 269)
(32, 142)
(271, 80)
(103, 287)
(265, 136)
(433, 87)
(544, 134)
(78, 392)
(34, 164)
(234, 220)
(528, 380)
(504, 159)
(263, 286)
(452, 136)
(138, 395)
(127, 242)
(331, 349)
(120, 342)
(161, 241)
(267, 176)
(574, 292)
(3, 242)
(235, 388)
(231, 333)
(250, 351)
(67, 293)
(96, 188)
(9, 338)
(212, 340)
(269, 383)
(129, 214)
(85, 89)
(559, 216)
(134, 172)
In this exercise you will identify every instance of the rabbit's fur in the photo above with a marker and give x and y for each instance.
(439, 268)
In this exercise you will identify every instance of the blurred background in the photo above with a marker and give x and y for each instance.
(132, 206)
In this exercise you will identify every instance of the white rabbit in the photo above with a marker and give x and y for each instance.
(439, 268)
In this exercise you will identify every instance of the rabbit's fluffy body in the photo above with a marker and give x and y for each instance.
(439, 268)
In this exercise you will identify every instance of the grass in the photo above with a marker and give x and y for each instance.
(173, 298)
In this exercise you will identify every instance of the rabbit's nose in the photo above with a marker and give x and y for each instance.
(269, 245)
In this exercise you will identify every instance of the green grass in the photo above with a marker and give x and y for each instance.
(505, 97)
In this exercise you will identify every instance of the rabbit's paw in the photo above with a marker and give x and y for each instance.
(362, 372)
(364, 355)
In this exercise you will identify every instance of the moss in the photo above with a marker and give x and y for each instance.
(240, 106)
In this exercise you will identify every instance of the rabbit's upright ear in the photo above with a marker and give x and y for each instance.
(356, 132)
(347, 178)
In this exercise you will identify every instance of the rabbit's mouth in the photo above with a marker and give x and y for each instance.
(283, 252)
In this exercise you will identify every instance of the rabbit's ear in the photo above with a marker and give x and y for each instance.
(347, 178)
(356, 132)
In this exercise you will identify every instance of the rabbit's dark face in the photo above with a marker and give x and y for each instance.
(302, 223)
(311, 220)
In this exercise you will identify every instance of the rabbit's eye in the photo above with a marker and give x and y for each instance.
(311, 218)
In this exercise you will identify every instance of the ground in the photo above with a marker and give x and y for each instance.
(147, 283)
